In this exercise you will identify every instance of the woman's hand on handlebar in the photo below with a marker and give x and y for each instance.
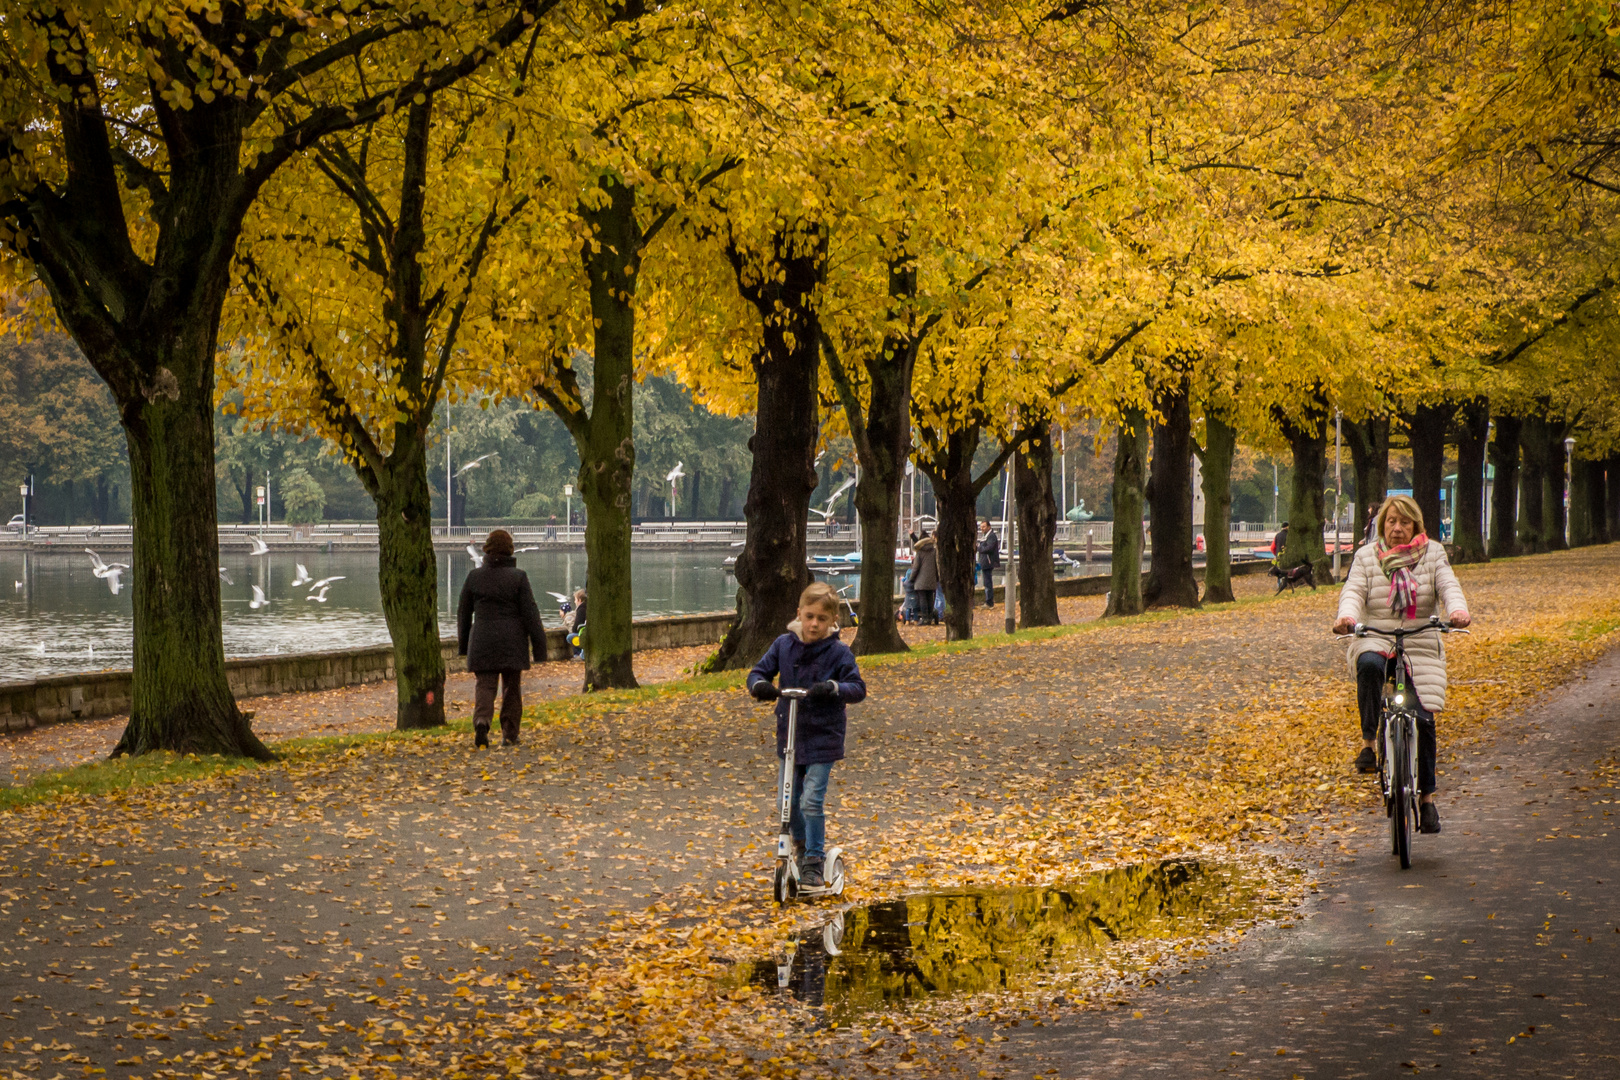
(1460, 619)
(1344, 626)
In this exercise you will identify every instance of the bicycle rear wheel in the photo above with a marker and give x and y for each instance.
(1400, 810)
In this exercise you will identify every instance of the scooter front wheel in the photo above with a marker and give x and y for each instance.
(835, 876)
(782, 886)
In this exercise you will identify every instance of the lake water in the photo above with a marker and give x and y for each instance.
(63, 619)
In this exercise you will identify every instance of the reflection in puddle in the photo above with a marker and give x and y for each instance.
(975, 940)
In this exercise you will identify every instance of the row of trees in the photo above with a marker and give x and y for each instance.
(938, 234)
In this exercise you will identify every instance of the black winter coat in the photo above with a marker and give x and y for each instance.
(820, 737)
(988, 550)
(497, 620)
(925, 565)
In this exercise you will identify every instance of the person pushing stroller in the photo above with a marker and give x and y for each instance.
(811, 657)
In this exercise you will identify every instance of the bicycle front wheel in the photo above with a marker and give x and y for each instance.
(1401, 785)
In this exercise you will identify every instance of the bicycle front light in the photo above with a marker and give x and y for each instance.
(1400, 699)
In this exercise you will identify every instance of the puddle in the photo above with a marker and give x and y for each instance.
(970, 941)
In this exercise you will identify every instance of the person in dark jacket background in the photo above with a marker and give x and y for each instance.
(810, 656)
(497, 621)
(925, 577)
(987, 556)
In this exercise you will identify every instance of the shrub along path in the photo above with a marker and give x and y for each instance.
(402, 906)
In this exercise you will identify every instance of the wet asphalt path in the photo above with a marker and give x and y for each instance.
(1496, 955)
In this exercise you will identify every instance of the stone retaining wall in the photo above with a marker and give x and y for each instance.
(64, 698)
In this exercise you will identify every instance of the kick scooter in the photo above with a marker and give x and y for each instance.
(786, 883)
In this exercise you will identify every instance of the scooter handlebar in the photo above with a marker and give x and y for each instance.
(793, 692)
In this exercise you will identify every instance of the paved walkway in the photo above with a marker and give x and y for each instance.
(409, 907)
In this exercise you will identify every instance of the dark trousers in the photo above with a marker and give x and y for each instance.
(1372, 670)
(988, 574)
(511, 683)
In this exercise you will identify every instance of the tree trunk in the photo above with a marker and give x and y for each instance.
(1612, 499)
(1468, 515)
(1220, 447)
(694, 492)
(408, 576)
(1553, 508)
(1037, 527)
(1532, 485)
(1428, 431)
(1369, 460)
(771, 570)
(608, 454)
(180, 700)
(1504, 455)
(1130, 477)
(1586, 498)
(723, 510)
(103, 500)
(1170, 580)
(1305, 517)
(947, 461)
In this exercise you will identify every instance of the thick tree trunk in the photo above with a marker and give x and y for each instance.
(1533, 486)
(608, 453)
(1220, 447)
(1037, 526)
(771, 569)
(1170, 580)
(104, 501)
(1585, 502)
(723, 510)
(1369, 460)
(1305, 512)
(408, 576)
(1554, 510)
(180, 700)
(949, 469)
(1504, 456)
(1130, 477)
(1428, 430)
(1612, 499)
(1468, 515)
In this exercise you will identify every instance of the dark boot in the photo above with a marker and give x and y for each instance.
(480, 736)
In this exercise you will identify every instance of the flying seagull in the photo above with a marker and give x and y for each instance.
(258, 600)
(324, 582)
(836, 495)
(302, 577)
(225, 576)
(557, 596)
(19, 586)
(677, 472)
(477, 556)
(108, 572)
(112, 579)
(318, 594)
(475, 462)
(259, 546)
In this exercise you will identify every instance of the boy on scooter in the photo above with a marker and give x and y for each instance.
(810, 656)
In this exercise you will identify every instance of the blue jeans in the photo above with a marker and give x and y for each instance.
(988, 574)
(807, 822)
(1372, 669)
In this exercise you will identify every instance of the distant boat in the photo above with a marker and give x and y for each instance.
(1079, 512)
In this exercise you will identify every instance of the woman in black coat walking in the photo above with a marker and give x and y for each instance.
(496, 623)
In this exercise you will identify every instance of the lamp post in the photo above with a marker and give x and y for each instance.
(568, 512)
(258, 497)
(25, 511)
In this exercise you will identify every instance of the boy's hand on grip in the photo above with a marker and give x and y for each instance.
(764, 690)
(823, 691)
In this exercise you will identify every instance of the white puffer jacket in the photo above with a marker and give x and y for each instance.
(1365, 599)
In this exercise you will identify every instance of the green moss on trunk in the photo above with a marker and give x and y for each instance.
(408, 576)
(1037, 526)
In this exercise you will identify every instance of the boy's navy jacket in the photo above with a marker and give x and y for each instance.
(821, 723)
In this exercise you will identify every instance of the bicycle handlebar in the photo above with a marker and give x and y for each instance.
(1434, 623)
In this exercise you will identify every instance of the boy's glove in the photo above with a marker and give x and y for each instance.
(823, 691)
(764, 690)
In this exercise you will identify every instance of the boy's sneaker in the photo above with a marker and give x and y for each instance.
(810, 875)
(1366, 761)
(1428, 818)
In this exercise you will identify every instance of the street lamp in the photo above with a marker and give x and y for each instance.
(25, 511)
(568, 512)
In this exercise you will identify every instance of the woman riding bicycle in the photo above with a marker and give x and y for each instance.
(1397, 582)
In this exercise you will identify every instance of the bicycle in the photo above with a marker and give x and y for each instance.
(1396, 743)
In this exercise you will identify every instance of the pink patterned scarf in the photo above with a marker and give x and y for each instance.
(1397, 563)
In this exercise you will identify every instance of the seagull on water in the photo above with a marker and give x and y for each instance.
(477, 556)
(302, 577)
(531, 547)
(258, 600)
(19, 585)
(259, 546)
(225, 576)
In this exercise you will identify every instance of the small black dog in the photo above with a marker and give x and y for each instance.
(1299, 575)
